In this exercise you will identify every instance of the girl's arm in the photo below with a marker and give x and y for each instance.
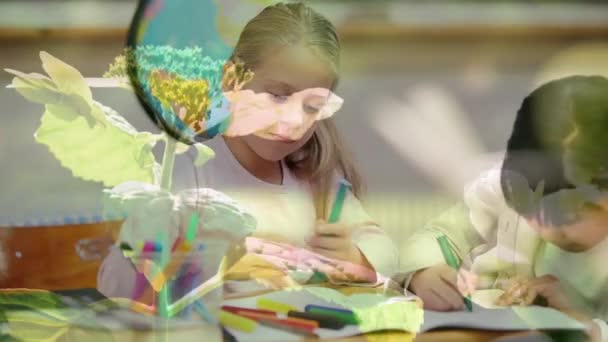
(467, 225)
(378, 249)
(375, 245)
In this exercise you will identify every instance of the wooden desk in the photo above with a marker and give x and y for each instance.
(437, 336)
(195, 335)
(211, 335)
(46, 257)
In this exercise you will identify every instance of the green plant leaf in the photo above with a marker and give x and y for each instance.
(66, 112)
(40, 89)
(93, 141)
(31, 332)
(30, 75)
(181, 148)
(34, 315)
(204, 154)
(30, 298)
(112, 154)
(39, 315)
(148, 141)
(70, 106)
(66, 77)
(36, 90)
(48, 317)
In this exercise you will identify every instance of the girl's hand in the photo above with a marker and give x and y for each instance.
(335, 241)
(442, 288)
(547, 287)
(527, 291)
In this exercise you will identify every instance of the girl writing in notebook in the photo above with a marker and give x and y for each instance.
(286, 174)
(537, 226)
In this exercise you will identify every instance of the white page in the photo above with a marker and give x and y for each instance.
(504, 319)
(487, 298)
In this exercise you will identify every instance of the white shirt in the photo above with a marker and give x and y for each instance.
(498, 245)
(286, 209)
(283, 212)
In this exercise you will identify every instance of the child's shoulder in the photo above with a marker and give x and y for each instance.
(486, 190)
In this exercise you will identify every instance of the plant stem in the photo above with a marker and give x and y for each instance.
(163, 301)
(166, 174)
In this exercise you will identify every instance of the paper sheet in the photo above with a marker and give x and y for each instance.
(487, 316)
(378, 312)
(487, 298)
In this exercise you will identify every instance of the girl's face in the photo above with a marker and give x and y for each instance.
(295, 83)
(584, 234)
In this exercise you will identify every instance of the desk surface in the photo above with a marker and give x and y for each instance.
(437, 336)
(22, 275)
(195, 333)
(47, 257)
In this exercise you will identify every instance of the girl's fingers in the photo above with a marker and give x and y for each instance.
(328, 243)
(450, 279)
(546, 279)
(548, 290)
(520, 293)
(514, 286)
(466, 282)
(449, 296)
(433, 302)
(506, 284)
(525, 292)
(329, 253)
(529, 297)
(338, 230)
(512, 295)
(554, 295)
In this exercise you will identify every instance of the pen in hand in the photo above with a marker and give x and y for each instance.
(336, 209)
(453, 262)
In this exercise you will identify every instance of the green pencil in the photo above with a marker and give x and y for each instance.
(336, 209)
(452, 261)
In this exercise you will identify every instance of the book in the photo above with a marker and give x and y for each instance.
(487, 316)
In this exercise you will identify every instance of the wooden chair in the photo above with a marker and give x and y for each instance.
(47, 257)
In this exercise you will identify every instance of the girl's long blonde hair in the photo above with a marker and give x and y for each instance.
(287, 24)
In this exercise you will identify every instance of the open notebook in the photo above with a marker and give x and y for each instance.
(487, 316)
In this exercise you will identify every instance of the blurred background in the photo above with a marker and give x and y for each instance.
(431, 89)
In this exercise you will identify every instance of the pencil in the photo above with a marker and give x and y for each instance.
(336, 209)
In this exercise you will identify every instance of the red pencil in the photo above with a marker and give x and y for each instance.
(289, 328)
(236, 310)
